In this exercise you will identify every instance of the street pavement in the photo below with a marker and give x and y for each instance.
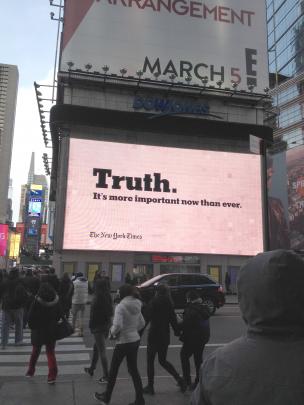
(74, 387)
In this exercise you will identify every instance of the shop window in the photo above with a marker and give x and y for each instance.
(117, 272)
(92, 269)
(69, 267)
(233, 272)
(215, 272)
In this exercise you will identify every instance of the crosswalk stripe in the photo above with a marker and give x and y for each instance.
(23, 358)
(17, 371)
(59, 348)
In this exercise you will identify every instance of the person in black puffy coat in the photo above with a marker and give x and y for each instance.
(160, 314)
(100, 321)
(44, 314)
(195, 333)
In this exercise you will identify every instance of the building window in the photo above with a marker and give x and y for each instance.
(92, 269)
(69, 267)
(117, 272)
(215, 272)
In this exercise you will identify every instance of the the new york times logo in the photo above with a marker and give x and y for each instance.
(149, 182)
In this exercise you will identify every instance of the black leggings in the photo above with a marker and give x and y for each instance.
(188, 350)
(161, 349)
(128, 350)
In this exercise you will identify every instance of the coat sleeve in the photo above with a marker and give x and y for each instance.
(173, 321)
(117, 324)
(141, 322)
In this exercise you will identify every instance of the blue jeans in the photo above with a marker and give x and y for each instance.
(10, 316)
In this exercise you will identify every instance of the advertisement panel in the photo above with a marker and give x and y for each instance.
(20, 228)
(3, 239)
(34, 209)
(14, 245)
(130, 197)
(223, 41)
(278, 209)
(33, 225)
(295, 184)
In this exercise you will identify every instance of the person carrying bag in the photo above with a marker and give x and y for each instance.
(44, 316)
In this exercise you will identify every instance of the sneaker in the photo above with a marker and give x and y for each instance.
(149, 390)
(182, 384)
(101, 397)
(89, 371)
(28, 374)
(51, 381)
(103, 380)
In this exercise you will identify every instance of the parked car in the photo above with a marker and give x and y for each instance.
(211, 292)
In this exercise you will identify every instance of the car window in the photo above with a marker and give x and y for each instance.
(169, 280)
(188, 279)
(203, 280)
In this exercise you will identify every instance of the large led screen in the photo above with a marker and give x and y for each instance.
(158, 199)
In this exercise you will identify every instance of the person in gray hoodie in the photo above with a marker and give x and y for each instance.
(266, 366)
(127, 323)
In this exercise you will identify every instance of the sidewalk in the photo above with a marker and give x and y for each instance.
(79, 391)
(231, 299)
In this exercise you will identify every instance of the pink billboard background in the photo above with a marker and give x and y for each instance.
(3, 239)
(207, 202)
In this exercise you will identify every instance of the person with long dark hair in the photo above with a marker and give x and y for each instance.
(160, 314)
(195, 333)
(127, 323)
(65, 292)
(43, 317)
(100, 321)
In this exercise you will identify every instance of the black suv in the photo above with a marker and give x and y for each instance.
(180, 283)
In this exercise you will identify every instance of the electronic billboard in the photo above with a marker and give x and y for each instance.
(129, 197)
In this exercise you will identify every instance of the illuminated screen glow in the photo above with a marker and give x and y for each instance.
(129, 197)
(34, 208)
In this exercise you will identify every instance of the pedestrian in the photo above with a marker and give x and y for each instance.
(31, 284)
(100, 321)
(14, 298)
(227, 282)
(160, 314)
(266, 366)
(127, 323)
(53, 279)
(195, 333)
(44, 314)
(65, 293)
(79, 300)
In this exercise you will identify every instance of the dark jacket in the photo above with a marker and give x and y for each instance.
(160, 314)
(266, 366)
(14, 295)
(54, 281)
(195, 328)
(101, 313)
(65, 292)
(43, 317)
(31, 284)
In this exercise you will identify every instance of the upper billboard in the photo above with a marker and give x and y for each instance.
(224, 41)
(158, 199)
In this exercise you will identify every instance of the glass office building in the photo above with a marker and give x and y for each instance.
(285, 23)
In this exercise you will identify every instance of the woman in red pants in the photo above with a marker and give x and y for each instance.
(44, 314)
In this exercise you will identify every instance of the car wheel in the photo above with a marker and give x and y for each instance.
(210, 304)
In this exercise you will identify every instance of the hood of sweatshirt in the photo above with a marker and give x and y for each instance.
(132, 305)
(271, 293)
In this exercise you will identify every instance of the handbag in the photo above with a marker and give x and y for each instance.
(63, 329)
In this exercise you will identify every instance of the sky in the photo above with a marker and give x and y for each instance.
(28, 40)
